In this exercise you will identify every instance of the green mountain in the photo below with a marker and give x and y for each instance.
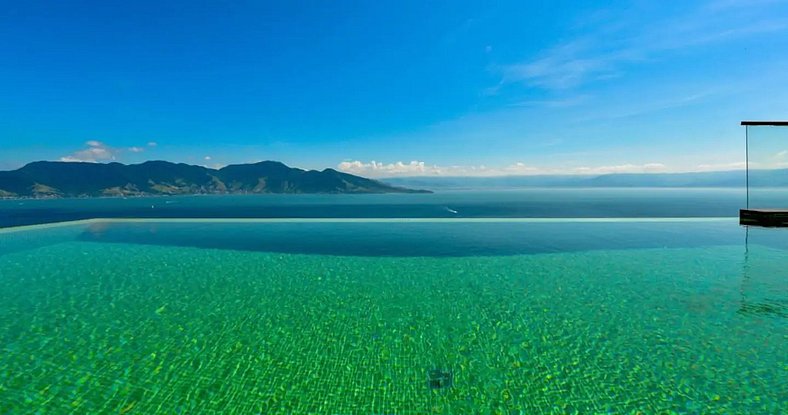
(61, 179)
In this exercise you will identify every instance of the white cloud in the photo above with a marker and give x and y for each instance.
(736, 165)
(420, 168)
(777, 162)
(96, 151)
(622, 168)
(207, 158)
(374, 168)
(152, 144)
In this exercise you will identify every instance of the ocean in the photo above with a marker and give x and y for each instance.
(537, 203)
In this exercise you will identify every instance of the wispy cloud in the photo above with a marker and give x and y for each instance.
(553, 103)
(635, 109)
(608, 46)
(716, 5)
(778, 161)
(566, 66)
(420, 168)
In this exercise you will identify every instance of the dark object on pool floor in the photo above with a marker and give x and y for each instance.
(440, 379)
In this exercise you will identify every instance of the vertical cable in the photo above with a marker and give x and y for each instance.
(747, 161)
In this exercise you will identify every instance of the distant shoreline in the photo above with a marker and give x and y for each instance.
(153, 195)
(440, 190)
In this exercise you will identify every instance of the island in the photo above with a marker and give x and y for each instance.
(52, 179)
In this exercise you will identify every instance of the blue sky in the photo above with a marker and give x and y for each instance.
(392, 88)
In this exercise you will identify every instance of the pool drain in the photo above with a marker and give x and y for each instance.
(440, 379)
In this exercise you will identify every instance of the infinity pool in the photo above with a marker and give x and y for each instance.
(502, 316)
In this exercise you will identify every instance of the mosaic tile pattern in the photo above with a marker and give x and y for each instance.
(118, 328)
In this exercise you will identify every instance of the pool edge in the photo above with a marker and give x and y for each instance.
(21, 228)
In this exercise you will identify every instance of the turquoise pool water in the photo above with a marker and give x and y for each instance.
(353, 317)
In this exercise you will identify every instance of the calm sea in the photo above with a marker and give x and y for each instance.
(537, 203)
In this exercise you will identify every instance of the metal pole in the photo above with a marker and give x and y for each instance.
(747, 161)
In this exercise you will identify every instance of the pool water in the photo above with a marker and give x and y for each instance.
(394, 317)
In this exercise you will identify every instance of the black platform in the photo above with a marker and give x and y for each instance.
(764, 217)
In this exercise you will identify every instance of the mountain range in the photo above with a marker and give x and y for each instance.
(43, 179)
